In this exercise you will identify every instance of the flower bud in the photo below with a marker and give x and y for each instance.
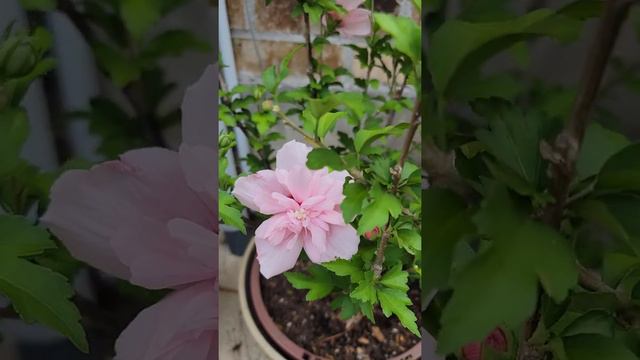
(276, 108)
(267, 105)
(18, 60)
(226, 140)
(370, 235)
(497, 341)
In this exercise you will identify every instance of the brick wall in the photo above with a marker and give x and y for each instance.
(275, 33)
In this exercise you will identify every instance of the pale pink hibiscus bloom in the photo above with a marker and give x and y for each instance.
(305, 209)
(151, 218)
(356, 22)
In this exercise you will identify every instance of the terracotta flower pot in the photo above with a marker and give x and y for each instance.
(269, 337)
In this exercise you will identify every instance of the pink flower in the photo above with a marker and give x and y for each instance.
(151, 218)
(356, 22)
(305, 209)
(497, 341)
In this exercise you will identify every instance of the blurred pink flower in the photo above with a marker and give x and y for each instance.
(356, 22)
(151, 218)
(497, 341)
(305, 205)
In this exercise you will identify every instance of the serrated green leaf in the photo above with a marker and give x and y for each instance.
(351, 268)
(38, 294)
(377, 213)
(18, 237)
(319, 283)
(522, 254)
(394, 301)
(228, 214)
(365, 291)
(396, 278)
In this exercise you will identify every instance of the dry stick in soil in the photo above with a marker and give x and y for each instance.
(566, 148)
(396, 172)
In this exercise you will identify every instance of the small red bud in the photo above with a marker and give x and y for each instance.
(497, 341)
(370, 235)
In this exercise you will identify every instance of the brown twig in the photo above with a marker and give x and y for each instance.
(567, 145)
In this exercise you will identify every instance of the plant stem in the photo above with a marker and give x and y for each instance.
(568, 143)
(307, 39)
(396, 172)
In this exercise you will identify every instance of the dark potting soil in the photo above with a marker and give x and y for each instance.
(316, 327)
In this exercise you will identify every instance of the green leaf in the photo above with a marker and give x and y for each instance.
(595, 322)
(377, 213)
(596, 347)
(365, 137)
(478, 41)
(320, 157)
(38, 294)
(139, 15)
(615, 266)
(354, 193)
(394, 301)
(119, 68)
(351, 268)
(599, 145)
(14, 129)
(319, 283)
(38, 5)
(264, 121)
(18, 237)
(449, 219)
(500, 286)
(621, 171)
(396, 278)
(365, 291)
(228, 214)
(173, 43)
(410, 240)
(405, 32)
(269, 79)
(327, 122)
(514, 139)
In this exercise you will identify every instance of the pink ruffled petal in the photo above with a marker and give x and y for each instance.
(277, 259)
(256, 192)
(342, 243)
(89, 208)
(292, 155)
(356, 23)
(84, 228)
(162, 256)
(201, 173)
(182, 326)
(272, 230)
(199, 109)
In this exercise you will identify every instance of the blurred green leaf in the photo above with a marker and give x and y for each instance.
(38, 294)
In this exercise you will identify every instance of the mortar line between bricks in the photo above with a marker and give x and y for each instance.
(288, 37)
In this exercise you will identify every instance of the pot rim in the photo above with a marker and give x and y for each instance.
(264, 329)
